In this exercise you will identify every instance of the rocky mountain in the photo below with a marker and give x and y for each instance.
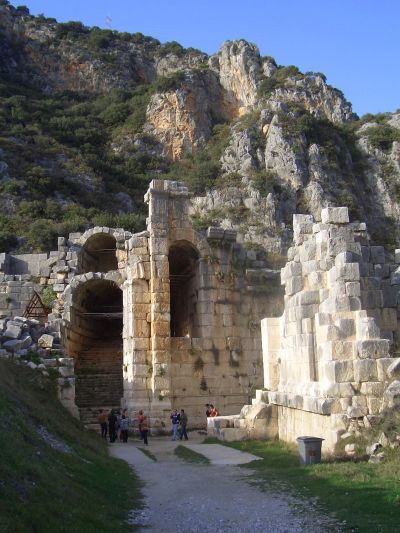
(89, 116)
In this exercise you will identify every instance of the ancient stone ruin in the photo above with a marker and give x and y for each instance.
(169, 318)
(328, 360)
(160, 319)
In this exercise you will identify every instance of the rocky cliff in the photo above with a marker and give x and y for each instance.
(89, 116)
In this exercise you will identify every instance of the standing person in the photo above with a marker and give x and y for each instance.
(182, 425)
(118, 425)
(103, 423)
(145, 430)
(141, 417)
(124, 428)
(112, 423)
(214, 410)
(208, 410)
(175, 423)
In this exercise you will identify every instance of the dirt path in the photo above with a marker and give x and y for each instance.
(216, 498)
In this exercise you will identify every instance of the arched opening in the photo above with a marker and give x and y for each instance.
(99, 254)
(183, 260)
(94, 339)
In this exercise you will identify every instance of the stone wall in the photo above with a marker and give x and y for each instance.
(326, 359)
(221, 293)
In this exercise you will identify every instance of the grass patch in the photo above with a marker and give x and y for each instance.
(46, 489)
(366, 496)
(149, 454)
(190, 456)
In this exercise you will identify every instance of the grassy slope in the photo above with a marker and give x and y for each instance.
(43, 489)
(366, 496)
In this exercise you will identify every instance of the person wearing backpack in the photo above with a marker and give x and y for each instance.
(124, 423)
(145, 429)
(182, 425)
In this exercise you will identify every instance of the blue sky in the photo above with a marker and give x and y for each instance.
(354, 42)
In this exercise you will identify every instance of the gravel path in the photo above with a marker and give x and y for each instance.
(184, 497)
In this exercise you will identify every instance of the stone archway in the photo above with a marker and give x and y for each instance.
(98, 254)
(93, 338)
(183, 266)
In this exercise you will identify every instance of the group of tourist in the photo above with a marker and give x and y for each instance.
(179, 423)
(115, 424)
(211, 410)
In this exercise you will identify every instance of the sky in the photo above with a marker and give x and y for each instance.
(355, 43)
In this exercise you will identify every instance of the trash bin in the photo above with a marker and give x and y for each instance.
(309, 450)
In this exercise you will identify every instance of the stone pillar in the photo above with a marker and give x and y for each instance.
(271, 341)
(136, 332)
(158, 200)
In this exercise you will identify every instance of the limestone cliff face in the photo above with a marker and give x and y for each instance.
(238, 65)
(318, 98)
(292, 143)
(182, 119)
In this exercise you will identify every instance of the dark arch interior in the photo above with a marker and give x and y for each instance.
(183, 260)
(94, 339)
(99, 254)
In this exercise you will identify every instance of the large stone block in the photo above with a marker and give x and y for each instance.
(377, 254)
(348, 272)
(393, 369)
(367, 328)
(335, 215)
(308, 297)
(373, 388)
(46, 341)
(373, 349)
(338, 371)
(353, 288)
(389, 319)
(307, 251)
(317, 280)
(346, 327)
(13, 331)
(371, 299)
(382, 365)
(293, 285)
(365, 370)
(290, 270)
(374, 407)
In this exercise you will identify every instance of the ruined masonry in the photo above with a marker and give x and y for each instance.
(166, 318)
(170, 318)
(328, 360)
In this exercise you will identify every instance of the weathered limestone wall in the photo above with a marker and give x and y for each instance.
(190, 314)
(218, 360)
(338, 334)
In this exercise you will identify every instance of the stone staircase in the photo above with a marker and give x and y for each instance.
(99, 381)
(255, 421)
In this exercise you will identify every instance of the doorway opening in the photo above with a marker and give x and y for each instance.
(183, 266)
(94, 339)
(99, 254)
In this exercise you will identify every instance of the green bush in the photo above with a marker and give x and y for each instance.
(71, 30)
(100, 39)
(169, 83)
(42, 235)
(382, 136)
(8, 241)
(171, 47)
(264, 181)
(48, 296)
(278, 79)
